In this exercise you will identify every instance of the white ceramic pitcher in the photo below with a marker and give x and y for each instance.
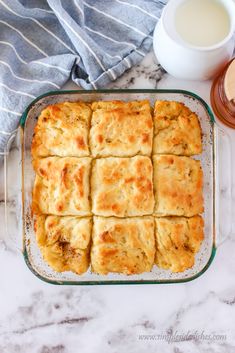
(186, 61)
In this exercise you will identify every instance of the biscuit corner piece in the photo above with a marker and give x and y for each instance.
(125, 246)
(122, 187)
(61, 186)
(62, 130)
(178, 186)
(121, 129)
(64, 242)
(178, 239)
(177, 129)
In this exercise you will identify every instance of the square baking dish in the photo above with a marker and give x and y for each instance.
(210, 165)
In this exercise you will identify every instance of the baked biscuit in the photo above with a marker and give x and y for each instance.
(176, 130)
(62, 130)
(64, 242)
(122, 245)
(62, 186)
(121, 129)
(178, 239)
(178, 184)
(122, 186)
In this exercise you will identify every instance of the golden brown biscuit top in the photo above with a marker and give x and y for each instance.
(70, 184)
(62, 130)
(176, 129)
(178, 183)
(170, 109)
(123, 245)
(178, 239)
(62, 186)
(141, 105)
(68, 229)
(64, 242)
(122, 186)
(131, 232)
(121, 129)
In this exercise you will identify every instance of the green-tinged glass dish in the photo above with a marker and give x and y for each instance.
(208, 159)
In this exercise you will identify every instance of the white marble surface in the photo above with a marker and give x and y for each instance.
(36, 317)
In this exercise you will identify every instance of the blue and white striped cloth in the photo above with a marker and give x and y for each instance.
(45, 42)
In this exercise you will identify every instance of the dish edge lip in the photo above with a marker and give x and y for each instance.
(118, 282)
(62, 92)
(115, 282)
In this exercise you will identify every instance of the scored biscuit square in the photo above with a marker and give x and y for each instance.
(177, 129)
(62, 186)
(178, 186)
(124, 246)
(62, 130)
(121, 129)
(64, 242)
(122, 186)
(178, 239)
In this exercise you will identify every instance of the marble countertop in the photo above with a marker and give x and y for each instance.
(198, 316)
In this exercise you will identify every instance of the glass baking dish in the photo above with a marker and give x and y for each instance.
(213, 139)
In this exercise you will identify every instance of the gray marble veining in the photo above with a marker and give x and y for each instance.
(194, 317)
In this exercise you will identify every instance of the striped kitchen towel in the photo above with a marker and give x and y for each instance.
(45, 42)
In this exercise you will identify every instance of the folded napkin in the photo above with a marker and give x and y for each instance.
(44, 43)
